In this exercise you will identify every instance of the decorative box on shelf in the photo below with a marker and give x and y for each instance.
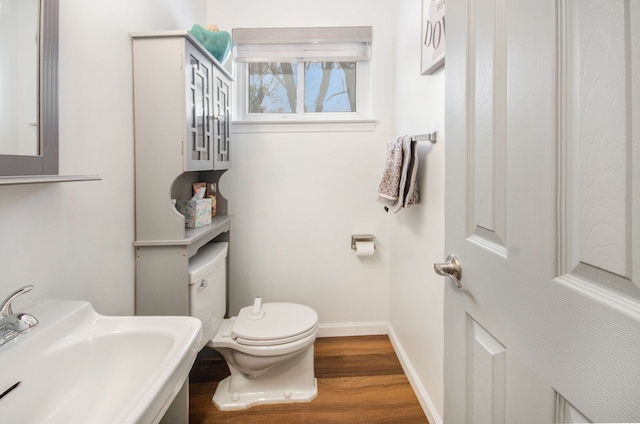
(197, 213)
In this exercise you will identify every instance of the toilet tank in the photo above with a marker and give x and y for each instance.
(207, 287)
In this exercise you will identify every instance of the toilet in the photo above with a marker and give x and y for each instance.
(268, 346)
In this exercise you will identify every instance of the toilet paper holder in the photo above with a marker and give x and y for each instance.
(360, 238)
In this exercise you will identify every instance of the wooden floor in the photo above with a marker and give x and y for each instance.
(360, 380)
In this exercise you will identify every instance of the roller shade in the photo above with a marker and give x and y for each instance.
(345, 44)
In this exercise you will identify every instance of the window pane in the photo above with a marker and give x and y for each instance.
(330, 87)
(273, 87)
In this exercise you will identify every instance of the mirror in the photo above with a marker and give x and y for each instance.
(29, 74)
(19, 77)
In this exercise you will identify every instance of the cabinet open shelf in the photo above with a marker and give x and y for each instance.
(194, 236)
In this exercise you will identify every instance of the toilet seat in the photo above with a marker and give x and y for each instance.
(282, 323)
(250, 342)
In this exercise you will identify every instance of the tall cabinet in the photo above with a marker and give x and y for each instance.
(182, 117)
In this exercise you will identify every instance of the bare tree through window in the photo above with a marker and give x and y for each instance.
(329, 87)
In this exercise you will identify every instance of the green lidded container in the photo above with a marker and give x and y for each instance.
(218, 43)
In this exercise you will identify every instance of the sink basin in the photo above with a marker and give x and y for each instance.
(78, 366)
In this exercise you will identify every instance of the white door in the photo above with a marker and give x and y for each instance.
(543, 211)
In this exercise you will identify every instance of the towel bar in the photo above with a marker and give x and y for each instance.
(432, 137)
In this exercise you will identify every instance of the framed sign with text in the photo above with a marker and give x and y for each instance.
(432, 36)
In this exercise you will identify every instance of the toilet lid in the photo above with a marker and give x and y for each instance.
(281, 323)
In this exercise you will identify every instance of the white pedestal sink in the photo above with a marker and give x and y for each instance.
(77, 366)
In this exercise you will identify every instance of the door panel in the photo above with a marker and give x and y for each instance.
(541, 183)
(487, 113)
(600, 60)
(486, 364)
(567, 414)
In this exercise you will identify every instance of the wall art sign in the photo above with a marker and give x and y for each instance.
(433, 39)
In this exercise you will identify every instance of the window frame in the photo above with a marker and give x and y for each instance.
(303, 45)
(362, 99)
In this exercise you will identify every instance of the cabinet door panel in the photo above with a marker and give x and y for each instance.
(199, 138)
(222, 122)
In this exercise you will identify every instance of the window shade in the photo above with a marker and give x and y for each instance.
(308, 44)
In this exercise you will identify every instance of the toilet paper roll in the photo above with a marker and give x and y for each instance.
(365, 248)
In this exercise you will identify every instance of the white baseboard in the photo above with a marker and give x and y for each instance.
(422, 395)
(345, 329)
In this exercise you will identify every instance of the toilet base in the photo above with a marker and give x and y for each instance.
(290, 381)
(225, 400)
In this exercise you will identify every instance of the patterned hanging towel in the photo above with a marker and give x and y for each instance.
(399, 187)
(388, 190)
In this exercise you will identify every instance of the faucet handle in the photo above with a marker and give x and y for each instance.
(25, 322)
(5, 306)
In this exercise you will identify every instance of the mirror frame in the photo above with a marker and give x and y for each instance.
(46, 163)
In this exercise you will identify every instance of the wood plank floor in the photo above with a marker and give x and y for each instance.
(360, 380)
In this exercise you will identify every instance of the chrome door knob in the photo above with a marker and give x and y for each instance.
(450, 269)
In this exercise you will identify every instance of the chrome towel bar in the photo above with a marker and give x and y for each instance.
(432, 137)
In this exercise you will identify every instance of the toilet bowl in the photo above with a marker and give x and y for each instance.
(268, 347)
(270, 358)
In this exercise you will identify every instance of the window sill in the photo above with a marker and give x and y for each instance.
(356, 125)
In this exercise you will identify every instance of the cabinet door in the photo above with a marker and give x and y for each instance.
(198, 148)
(221, 158)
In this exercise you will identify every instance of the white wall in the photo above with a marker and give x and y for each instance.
(298, 197)
(417, 234)
(74, 240)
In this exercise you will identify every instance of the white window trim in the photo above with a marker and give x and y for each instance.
(301, 121)
(301, 126)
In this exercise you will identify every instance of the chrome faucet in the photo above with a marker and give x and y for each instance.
(11, 325)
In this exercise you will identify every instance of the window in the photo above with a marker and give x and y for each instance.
(327, 87)
(302, 74)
